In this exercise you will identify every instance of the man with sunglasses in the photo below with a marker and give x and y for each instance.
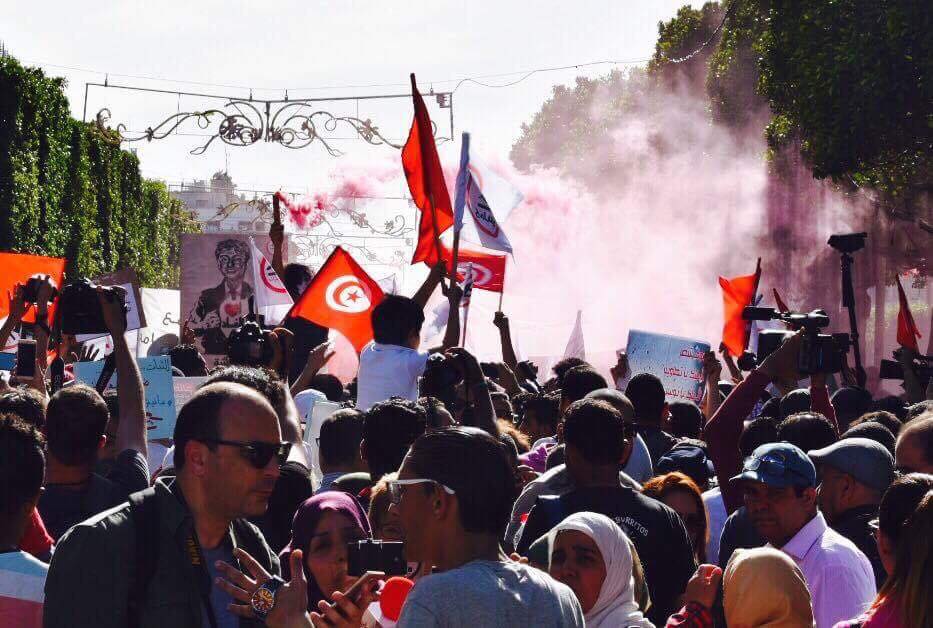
(778, 483)
(151, 562)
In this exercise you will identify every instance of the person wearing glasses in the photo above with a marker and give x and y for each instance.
(152, 562)
(778, 483)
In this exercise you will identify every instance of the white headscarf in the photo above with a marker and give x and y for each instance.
(615, 605)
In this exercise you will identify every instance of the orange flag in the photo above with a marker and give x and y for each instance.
(907, 332)
(782, 307)
(17, 268)
(426, 181)
(341, 296)
(737, 293)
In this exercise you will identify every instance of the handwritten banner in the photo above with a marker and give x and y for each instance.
(157, 381)
(677, 362)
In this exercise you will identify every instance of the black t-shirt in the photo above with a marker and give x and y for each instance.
(291, 489)
(307, 336)
(854, 525)
(657, 440)
(738, 533)
(63, 506)
(656, 530)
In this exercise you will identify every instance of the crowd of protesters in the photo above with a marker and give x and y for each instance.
(565, 500)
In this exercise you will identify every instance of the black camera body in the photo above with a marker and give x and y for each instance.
(373, 555)
(79, 309)
(819, 353)
(848, 242)
(922, 367)
(247, 345)
(31, 289)
(441, 374)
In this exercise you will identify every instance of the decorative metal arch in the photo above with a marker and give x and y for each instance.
(291, 124)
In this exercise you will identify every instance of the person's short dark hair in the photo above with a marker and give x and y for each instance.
(646, 392)
(188, 360)
(546, 408)
(922, 429)
(580, 381)
(25, 403)
(501, 399)
(850, 402)
(686, 419)
(199, 420)
(771, 409)
(893, 404)
(329, 385)
(900, 501)
(873, 431)
(389, 429)
(112, 399)
(560, 369)
(596, 430)
(807, 430)
(759, 431)
(264, 381)
(340, 437)
(476, 467)
(884, 417)
(22, 464)
(295, 275)
(75, 419)
(556, 457)
(794, 402)
(917, 409)
(395, 319)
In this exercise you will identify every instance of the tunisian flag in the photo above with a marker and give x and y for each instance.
(426, 181)
(737, 293)
(907, 332)
(18, 268)
(342, 297)
(488, 269)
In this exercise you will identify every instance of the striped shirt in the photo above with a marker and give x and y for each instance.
(22, 584)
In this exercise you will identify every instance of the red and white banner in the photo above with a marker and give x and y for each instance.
(271, 297)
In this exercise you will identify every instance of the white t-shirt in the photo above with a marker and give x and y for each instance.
(716, 509)
(388, 371)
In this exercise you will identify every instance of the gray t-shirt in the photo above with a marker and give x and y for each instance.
(220, 599)
(490, 594)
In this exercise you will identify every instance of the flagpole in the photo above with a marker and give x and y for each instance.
(505, 265)
(466, 320)
(458, 204)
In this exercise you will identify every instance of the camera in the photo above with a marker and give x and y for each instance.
(80, 310)
(372, 555)
(848, 242)
(922, 367)
(441, 375)
(249, 346)
(32, 286)
(819, 353)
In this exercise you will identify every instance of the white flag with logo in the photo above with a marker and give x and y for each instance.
(575, 347)
(272, 298)
(483, 192)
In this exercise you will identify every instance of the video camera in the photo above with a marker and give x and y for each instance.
(819, 353)
(922, 366)
(80, 311)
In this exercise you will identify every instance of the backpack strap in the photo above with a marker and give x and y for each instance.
(144, 511)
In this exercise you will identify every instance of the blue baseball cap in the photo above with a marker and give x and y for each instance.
(779, 465)
(689, 460)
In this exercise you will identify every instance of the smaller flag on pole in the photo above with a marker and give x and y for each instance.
(737, 293)
(907, 332)
(272, 299)
(576, 348)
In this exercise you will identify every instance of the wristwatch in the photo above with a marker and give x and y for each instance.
(263, 599)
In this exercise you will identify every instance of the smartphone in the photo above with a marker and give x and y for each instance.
(26, 358)
(382, 556)
(356, 590)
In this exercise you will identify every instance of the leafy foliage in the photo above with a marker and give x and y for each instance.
(68, 191)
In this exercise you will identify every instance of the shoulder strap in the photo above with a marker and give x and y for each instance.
(144, 511)
(250, 540)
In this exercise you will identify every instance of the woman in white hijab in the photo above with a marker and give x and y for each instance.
(591, 555)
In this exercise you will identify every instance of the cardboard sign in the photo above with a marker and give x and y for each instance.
(185, 388)
(157, 382)
(677, 362)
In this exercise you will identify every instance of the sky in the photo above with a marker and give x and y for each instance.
(316, 49)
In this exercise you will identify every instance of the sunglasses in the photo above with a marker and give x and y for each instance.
(257, 453)
(395, 488)
(773, 464)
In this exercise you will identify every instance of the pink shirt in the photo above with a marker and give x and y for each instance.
(22, 584)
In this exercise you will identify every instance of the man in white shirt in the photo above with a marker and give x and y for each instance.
(779, 487)
(391, 365)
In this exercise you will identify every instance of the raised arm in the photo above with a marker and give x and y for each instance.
(17, 309)
(427, 288)
(452, 335)
(501, 321)
(131, 432)
(712, 371)
(484, 416)
(277, 236)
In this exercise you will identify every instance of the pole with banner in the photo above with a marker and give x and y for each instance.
(465, 300)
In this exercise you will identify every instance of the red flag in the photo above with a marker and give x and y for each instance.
(488, 269)
(426, 181)
(907, 332)
(780, 302)
(737, 293)
(18, 268)
(341, 296)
